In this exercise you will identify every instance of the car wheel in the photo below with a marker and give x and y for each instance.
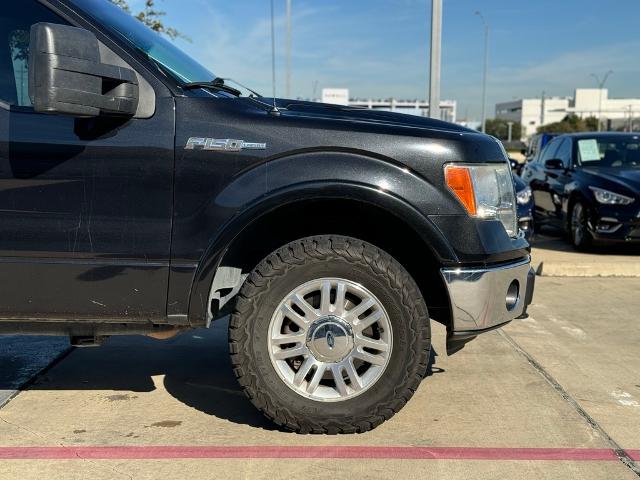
(580, 236)
(330, 334)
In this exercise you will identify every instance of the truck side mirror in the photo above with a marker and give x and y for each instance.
(66, 76)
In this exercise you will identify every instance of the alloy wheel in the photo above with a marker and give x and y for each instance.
(330, 339)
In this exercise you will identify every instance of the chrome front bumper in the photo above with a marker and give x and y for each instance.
(482, 299)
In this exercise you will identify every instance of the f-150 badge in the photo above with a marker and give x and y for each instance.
(222, 144)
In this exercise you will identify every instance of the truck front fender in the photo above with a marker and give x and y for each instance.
(313, 176)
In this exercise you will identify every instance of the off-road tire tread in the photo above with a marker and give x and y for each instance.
(327, 248)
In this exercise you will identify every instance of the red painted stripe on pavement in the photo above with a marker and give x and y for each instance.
(312, 452)
(634, 455)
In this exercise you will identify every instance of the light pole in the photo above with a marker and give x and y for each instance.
(435, 60)
(288, 49)
(601, 86)
(484, 73)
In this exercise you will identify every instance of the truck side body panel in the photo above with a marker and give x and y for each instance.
(85, 217)
(398, 167)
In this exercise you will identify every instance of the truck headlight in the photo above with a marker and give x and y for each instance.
(523, 196)
(486, 191)
(610, 198)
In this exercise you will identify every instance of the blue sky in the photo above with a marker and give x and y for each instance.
(380, 48)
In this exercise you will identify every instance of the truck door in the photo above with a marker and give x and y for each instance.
(85, 204)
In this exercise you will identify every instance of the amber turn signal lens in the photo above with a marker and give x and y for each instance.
(459, 181)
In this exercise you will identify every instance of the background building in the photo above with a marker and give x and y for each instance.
(336, 96)
(586, 102)
(530, 114)
(340, 96)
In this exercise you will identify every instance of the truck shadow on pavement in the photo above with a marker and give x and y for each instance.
(194, 368)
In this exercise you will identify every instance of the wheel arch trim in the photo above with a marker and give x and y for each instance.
(223, 239)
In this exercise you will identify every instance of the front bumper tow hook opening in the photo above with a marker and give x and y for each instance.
(513, 295)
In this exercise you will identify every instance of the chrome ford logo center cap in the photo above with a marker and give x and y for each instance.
(330, 339)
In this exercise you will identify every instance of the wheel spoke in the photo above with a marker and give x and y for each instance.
(341, 291)
(309, 312)
(293, 338)
(354, 378)
(366, 322)
(291, 352)
(369, 357)
(303, 370)
(366, 342)
(325, 298)
(341, 386)
(358, 310)
(316, 378)
(292, 315)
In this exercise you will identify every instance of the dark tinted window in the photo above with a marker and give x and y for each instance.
(564, 152)
(15, 25)
(164, 53)
(550, 150)
(609, 151)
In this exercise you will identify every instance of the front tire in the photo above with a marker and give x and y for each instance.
(580, 237)
(330, 334)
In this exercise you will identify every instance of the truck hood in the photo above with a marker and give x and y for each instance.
(299, 108)
(421, 144)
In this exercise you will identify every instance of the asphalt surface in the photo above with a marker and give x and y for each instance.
(22, 357)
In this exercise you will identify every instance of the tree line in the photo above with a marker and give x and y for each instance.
(571, 123)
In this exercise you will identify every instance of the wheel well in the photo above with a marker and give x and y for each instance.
(342, 217)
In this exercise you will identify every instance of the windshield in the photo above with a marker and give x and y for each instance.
(169, 57)
(612, 151)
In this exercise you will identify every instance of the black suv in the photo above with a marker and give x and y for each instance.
(139, 193)
(589, 184)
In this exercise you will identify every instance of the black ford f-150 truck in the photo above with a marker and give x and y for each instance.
(141, 194)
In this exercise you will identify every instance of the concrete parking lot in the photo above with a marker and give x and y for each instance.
(553, 256)
(554, 396)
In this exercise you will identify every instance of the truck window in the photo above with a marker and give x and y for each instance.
(15, 26)
(159, 50)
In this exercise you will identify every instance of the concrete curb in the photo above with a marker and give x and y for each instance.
(591, 269)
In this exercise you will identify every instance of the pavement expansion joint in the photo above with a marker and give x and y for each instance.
(622, 455)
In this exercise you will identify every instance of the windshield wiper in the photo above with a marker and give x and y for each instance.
(215, 84)
(256, 94)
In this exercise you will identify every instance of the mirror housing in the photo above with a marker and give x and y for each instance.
(554, 164)
(66, 76)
